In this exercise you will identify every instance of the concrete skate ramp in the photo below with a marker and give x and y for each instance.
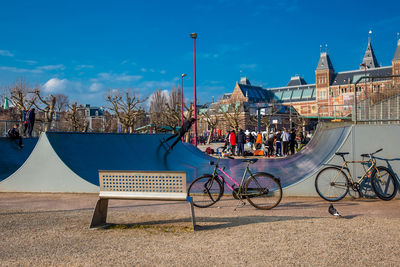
(12, 157)
(86, 153)
(292, 169)
(69, 162)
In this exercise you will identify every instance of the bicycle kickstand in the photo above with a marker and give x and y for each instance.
(240, 204)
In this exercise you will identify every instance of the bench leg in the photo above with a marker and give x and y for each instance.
(100, 213)
(190, 200)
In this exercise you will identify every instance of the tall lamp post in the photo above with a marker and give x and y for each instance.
(183, 75)
(194, 36)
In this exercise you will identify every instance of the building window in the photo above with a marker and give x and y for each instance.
(322, 94)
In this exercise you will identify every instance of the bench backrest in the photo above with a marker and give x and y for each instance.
(143, 184)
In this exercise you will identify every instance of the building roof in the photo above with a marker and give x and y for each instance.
(369, 59)
(343, 78)
(324, 62)
(255, 93)
(397, 53)
(296, 80)
(294, 93)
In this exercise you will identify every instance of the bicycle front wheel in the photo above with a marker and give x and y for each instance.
(263, 191)
(205, 191)
(383, 183)
(331, 184)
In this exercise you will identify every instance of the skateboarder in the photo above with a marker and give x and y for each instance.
(184, 129)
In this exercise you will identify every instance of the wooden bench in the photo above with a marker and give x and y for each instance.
(139, 185)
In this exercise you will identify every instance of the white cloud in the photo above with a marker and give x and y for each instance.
(143, 70)
(123, 77)
(6, 53)
(96, 87)
(162, 71)
(51, 67)
(55, 85)
(156, 84)
(29, 62)
(79, 67)
(20, 70)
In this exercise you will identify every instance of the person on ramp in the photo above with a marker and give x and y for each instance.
(184, 129)
(13, 134)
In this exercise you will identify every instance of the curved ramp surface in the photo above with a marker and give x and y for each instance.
(69, 162)
(12, 157)
(294, 168)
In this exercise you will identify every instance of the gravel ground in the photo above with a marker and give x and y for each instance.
(51, 229)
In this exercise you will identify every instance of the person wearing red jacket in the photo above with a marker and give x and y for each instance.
(232, 140)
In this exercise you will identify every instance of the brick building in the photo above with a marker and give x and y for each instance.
(332, 95)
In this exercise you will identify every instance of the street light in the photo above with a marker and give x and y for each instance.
(183, 75)
(194, 36)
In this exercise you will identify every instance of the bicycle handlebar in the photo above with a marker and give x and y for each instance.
(371, 154)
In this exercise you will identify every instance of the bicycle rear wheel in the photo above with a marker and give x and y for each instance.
(383, 183)
(331, 184)
(205, 191)
(263, 191)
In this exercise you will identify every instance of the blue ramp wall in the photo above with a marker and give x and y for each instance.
(86, 153)
(12, 157)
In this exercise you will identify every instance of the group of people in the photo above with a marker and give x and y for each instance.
(28, 118)
(281, 143)
(278, 144)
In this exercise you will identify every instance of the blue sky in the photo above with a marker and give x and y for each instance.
(83, 48)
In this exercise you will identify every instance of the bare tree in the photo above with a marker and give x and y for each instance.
(158, 101)
(212, 121)
(233, 114)
(173, 109)
(47, 106)
(20, 96)
(62, 102)
(268, 114)
(127, 106)
(76, 118)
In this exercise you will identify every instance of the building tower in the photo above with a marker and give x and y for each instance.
(396, 62)
(369, 59)
(323, 78)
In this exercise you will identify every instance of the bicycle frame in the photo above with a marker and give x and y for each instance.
(367, 172)
(240, 185)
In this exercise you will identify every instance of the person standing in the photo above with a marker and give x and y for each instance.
(270, 145)
(285, 142)
(240, 143)
(25, 120)
(31, 121)
(232, 140)
(278, 140)
(251, 140)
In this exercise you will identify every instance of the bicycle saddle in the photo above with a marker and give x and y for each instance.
(250, 160)
(341, 153)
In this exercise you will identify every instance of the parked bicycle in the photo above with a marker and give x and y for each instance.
(332, 183)
(262, 190)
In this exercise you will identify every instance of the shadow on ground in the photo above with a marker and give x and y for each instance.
(211, 223)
